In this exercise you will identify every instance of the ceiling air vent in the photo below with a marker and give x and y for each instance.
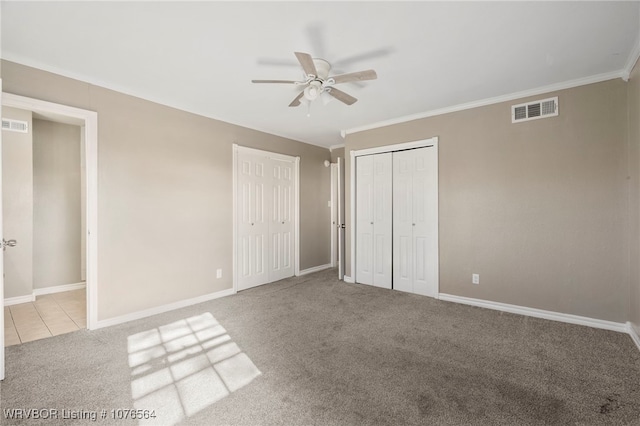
(534, 110)
(15, 125)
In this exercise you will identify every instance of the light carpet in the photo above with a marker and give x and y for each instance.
(313, 350)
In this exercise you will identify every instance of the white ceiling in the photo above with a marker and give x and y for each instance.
(202, 56)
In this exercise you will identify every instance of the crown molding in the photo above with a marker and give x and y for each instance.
(337, 146)
(489, 101)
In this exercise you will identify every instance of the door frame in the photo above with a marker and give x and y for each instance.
(296, 203)
(333, 219)
(433, 141)
(341, 220)
(88, 120)
(1, 256)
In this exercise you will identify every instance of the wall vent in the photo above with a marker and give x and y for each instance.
(15, 125)
(534, 110)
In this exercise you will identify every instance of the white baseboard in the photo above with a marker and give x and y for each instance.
(42, 291)
(634, 332)
(314, 269)
(348, 279)
(19, 299)
(162, 309)
(58, 288)
(538, 313)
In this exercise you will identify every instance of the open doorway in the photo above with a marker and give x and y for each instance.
(44, 218)
(87, 122)
(337, 225)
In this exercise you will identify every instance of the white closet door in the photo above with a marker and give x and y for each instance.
(425, 214)
(364, 219)
(382, 219)
(253, 225)
(281, 221)
(374, 222)
(403, 221)
(415, 226)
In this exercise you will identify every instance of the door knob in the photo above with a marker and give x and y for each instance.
(10, 243)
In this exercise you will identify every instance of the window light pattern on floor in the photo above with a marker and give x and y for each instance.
(181, 368)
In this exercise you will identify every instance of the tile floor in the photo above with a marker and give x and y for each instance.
(50, 315)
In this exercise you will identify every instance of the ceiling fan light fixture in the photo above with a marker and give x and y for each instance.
(312, 91)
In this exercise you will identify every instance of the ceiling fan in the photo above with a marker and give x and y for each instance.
(317, 80)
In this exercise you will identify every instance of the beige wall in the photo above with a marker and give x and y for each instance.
(164, 188)
(57, 213)
(634, 195)
(537, 208)
(17, 205)
(335, 153)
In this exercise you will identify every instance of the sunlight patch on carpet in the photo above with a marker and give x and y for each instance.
(181, 368)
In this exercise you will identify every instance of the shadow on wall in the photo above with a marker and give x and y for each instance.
(181, 368)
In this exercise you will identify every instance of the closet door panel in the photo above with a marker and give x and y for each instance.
(396, 220)
(382, 219)
(425, 240)
(281, 220)
(364, 219)
(403, 247)
(253, 226)
(431, 212)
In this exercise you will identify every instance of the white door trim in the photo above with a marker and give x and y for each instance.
(341, 219)
(296, 189)
(1, 258)
(89, 121)
(352, 184)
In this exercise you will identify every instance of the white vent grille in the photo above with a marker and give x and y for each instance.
(15, 125)
(534, 110)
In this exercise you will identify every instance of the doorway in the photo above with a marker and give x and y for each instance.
(337, 225)
(87, 121)
(43, 201)
(334, 224)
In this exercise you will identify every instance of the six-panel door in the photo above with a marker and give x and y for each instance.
(396, 220)
(265, 250)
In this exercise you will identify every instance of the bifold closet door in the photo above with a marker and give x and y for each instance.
(415, 226)
(254, 182)
(374, 219)
(281, 221)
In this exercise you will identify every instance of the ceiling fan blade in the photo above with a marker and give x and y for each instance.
(307, 63)
(296, 101)
(355, 76)
(275, 81)
(376, 53)
(341, 96)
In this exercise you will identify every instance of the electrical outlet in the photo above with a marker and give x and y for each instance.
(475, 278)
(219, 273)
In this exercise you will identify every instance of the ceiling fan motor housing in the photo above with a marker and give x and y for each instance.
(322, 67)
